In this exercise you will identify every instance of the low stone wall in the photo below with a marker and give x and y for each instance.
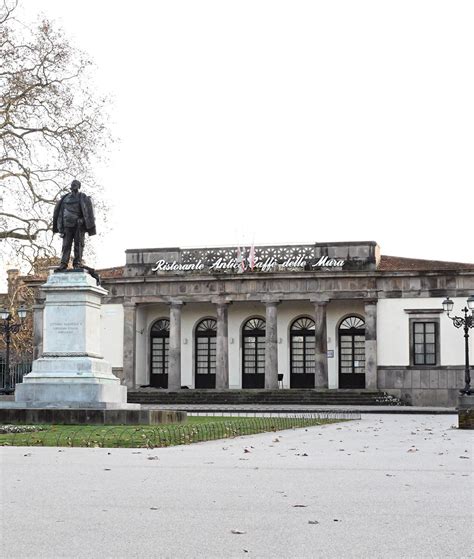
(65, 416)
(438, 386)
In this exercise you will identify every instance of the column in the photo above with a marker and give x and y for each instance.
(129, 343)
(222, 347)
(321, 343)
(174, 359)
(271, 346)
(371, 344)
(38, 311)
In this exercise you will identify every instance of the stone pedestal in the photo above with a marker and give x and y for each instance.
(71, 372)
(466, 411)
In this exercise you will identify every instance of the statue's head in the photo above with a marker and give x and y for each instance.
(75, 185)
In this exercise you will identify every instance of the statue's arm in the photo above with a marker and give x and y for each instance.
(88, 213)
(56, 217)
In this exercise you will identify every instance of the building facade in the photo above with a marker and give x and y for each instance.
(323, 315)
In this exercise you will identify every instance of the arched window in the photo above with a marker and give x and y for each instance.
(253, 353)
(352, 353)
(159, 348)
(302, 366)
(205, 353)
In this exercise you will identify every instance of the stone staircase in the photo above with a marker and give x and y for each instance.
(270, 397)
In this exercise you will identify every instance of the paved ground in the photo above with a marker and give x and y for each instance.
(385, 486)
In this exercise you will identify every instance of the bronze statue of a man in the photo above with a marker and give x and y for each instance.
(73, 217)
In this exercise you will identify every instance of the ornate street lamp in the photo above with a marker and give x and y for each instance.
(465, 323)
(7, 328)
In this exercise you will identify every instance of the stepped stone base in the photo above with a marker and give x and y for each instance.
(58, 416)
(68, 394)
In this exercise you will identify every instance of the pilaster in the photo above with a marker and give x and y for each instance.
(129, 343)
(371, 344)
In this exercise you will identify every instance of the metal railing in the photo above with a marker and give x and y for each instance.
(158, 436)
(17, 371)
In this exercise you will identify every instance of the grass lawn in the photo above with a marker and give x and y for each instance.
(195, 429)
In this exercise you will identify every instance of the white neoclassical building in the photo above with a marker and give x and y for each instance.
(321, 315)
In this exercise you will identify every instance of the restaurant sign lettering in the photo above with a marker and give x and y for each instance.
(247, 261)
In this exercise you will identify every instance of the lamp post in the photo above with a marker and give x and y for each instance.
(466, 322)
(7, 328)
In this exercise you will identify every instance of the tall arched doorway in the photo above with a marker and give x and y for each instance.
(159, 350)
(253, 353)
(352, 353)
(205, 353)
(302, 366)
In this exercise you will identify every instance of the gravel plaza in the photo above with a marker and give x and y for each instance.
(383, 486)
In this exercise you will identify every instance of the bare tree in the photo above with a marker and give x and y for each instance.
(52, 129)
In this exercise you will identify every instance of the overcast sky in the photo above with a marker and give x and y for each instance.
(283, 121)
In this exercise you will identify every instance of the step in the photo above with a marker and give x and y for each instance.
(269, 397)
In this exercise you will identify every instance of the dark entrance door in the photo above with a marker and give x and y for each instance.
(253, 353)
(205, 363)
(302, 367)
(159, 349)
(352, 353)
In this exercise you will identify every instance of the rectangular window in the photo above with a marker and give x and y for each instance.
(425, 342)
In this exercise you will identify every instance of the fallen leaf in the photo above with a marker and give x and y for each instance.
(300, 506)
(152, 458)
(106, 469)
(153, 508)
(313, 522)
(237, 532)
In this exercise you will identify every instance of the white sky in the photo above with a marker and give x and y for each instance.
(284, 121)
